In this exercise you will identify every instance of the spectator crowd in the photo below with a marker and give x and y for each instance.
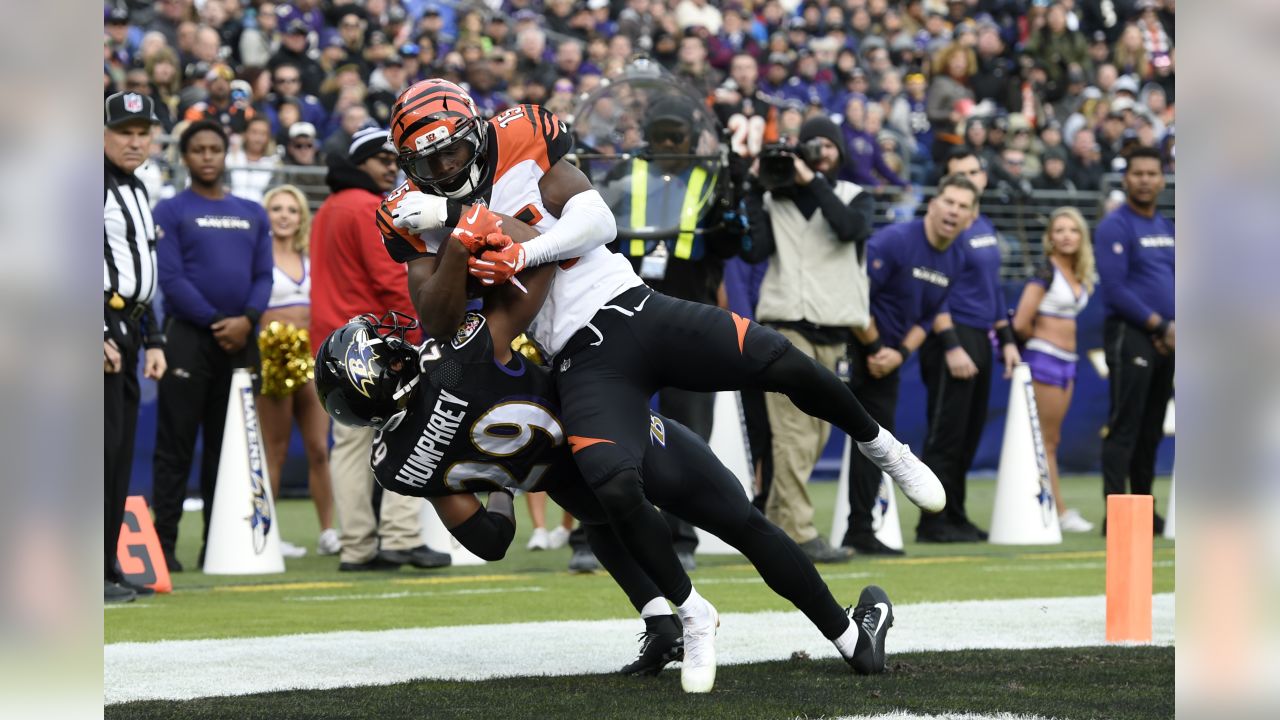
(1050, 93)
(999, 96)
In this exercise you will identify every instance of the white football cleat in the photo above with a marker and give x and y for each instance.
(915, 478)
(698, 669)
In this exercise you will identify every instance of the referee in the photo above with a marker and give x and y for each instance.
(128, 283)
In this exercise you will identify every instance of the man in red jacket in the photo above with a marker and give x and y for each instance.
(351, 274)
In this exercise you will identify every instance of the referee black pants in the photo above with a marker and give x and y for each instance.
(193, 397)
(880, 398)
(120, 423)
(1141, 385)
(957, 416)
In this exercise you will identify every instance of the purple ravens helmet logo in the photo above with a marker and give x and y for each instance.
(359, 362)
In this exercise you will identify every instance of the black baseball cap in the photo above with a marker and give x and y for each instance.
(124, 107)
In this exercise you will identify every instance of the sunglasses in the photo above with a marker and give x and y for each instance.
(675, 137)
(302, 145)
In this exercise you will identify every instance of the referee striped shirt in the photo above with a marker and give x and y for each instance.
(129, 237)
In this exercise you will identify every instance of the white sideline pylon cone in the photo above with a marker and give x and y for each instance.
(729, 443)
(1025, 511)
(1168, 516)
(244, 537)
(884, 516)
(437, 537)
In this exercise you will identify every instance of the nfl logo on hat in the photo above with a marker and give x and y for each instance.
(133, 103)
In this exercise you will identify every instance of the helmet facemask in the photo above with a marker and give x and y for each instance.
(446, 159)
(366, 372)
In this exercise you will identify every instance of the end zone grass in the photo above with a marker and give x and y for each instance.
(1114, 683)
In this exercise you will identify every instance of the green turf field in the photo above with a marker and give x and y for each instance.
(312, 597)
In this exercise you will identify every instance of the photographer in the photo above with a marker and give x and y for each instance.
(813, 229)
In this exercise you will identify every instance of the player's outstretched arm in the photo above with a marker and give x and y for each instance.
(487, 532)
(585, 219)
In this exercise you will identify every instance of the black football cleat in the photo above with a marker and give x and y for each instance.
(661, 642)
(874, 616)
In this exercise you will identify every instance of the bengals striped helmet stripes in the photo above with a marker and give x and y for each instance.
(440, 138)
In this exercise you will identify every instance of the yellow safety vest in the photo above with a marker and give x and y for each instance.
(689, 210)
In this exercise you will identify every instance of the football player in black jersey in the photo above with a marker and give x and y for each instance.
(465, 414)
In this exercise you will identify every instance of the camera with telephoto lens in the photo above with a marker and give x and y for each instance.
(777, 164)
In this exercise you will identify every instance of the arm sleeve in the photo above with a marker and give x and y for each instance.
(263, 264)
(1112, 249)
(586, 223)
(487, 534)
(852, 222)
(178, 289)
(760, 244)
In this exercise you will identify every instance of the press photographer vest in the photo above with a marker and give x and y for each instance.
(812, 276)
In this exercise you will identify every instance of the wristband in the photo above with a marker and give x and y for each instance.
(873, 347)
(452, 213)
(253, 314)
(1005, 333)
(1162, 329)
(950, 339)
(902, 349)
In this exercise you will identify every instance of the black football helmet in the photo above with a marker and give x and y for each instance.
(366, 372)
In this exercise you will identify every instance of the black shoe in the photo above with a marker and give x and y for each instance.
(583, 561)
(946, 532)
(874, 616)
(171, 562)
(976, 533)
(139, 590)
(940, 532)
(377, 563)
(419, 557)
(870, 545)
(686, 560)
(1157, 524)
(818, 550)
(116, 593)
(661, 642)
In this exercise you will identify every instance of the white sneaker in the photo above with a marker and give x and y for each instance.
(290, 550)
(915, 478)
(539, 540)
(328, 543)
(557, 538)
(1071, 521)
(698, 669)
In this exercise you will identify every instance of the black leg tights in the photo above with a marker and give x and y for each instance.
(641, 528)
(818, 392)
(626, 572)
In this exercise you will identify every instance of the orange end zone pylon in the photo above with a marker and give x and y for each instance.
(141, 559)
(1129, 546)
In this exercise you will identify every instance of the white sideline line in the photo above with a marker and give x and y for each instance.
(187, 669)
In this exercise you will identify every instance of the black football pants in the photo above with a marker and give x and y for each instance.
(1141, 385)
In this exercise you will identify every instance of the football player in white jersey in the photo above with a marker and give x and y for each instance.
(612, 341)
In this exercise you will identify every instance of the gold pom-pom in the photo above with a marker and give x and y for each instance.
(524, 345)
(287, 363)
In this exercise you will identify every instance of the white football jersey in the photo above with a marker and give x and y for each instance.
(528, 140)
